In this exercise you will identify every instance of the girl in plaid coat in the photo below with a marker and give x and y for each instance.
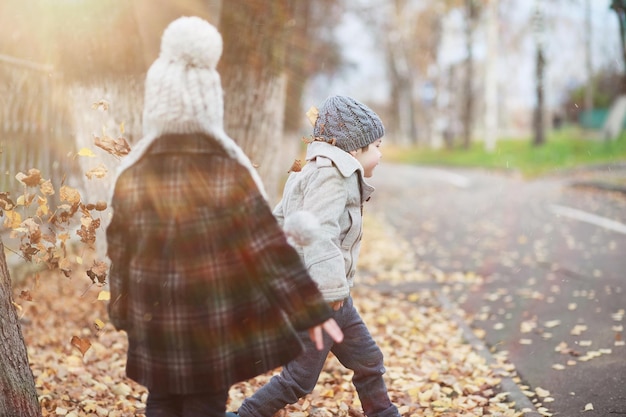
(202, 277)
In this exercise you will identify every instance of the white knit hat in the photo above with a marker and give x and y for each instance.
(183, 86)
(183, 91)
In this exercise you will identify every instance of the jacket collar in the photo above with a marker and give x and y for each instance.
(345, 163)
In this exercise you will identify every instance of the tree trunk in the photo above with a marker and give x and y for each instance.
(401, 77)
(491, 78)
(619, 6)
(538, 119)
(252, 70)
(588, 58)
(18, 395)
(298, 51)
(468, 110)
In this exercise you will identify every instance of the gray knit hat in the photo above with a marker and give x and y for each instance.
(352, 124)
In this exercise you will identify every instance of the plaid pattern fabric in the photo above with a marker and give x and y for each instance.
(202, 278)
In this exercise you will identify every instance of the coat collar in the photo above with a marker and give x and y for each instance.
(345, 163)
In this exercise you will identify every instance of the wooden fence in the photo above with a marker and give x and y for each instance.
(35, 122)
(43, 118)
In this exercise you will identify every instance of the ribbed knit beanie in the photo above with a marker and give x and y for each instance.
(352, 124)
(183, 86)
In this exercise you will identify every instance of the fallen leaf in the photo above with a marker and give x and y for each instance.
(552, 323)
(82, 345)
(588, 407)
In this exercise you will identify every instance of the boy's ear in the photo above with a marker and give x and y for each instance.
(353, 153)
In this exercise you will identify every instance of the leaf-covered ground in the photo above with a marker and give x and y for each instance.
(78, 358)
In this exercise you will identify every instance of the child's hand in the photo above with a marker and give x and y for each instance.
(331, 327)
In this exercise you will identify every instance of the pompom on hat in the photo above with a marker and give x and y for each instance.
(348, 123)
(183, 91)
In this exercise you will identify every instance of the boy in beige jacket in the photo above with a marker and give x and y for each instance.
(344, 151)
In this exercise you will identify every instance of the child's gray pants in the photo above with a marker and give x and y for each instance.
(357, 352)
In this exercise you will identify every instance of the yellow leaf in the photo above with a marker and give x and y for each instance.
(99, 324)
(312, 114)
(86, 152)
(104, 296)
(12, 219)
(43, 208)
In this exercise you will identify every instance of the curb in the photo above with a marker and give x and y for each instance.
(508, 385)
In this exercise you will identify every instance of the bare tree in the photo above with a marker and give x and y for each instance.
(472, 8)
(540, 63)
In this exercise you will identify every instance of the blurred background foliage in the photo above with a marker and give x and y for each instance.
(445, 75)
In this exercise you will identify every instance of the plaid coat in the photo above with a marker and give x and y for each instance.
(202, 278)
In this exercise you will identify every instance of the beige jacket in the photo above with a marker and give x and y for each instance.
(331, 187)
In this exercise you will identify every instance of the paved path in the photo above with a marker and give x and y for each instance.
(553, 261)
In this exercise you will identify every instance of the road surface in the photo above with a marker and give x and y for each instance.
(551, 259)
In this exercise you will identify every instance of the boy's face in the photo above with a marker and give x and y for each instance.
(369, 158)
